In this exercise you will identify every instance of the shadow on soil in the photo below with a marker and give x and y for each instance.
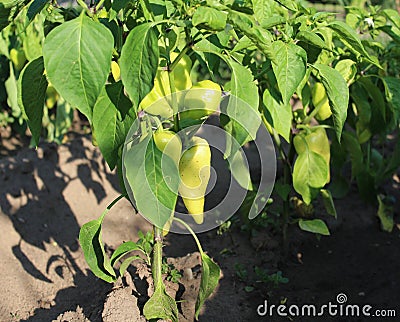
(31, 194)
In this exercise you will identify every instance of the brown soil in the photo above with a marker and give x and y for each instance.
(48, 193)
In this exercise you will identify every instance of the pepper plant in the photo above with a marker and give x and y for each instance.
(148, 73)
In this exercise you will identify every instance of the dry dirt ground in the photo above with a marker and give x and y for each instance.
(47, 194)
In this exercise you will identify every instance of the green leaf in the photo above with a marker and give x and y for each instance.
(351, 40)
(393, 16)
(316, 226)
(259, 36)
(4, 16)
(34, 8)
(278, 114)
(353, 147)
(32, 85)
(139, 62)
(264, 10)
(311, 38)
(375, 95)
(310, 172)
(93, 249)
(112, 120)
(392, 164)
(161, 306)
(122, 250)
(347, 68)
(125, 264)
(11, 86)
(32, 40)
(338, 95)
(289, 66)
(241, 108)
(328, 202)
(289, 4)
(240, 169)
(359, 96)
(64, 117)
(10, 3)
(385, 215)
(209, 280)
(209, 18)
(77, 57)
(392, 92)
(155, 192)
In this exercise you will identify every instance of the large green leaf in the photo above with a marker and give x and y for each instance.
(139, 62)
(242, 107)
(32, 85)
(77, 57)
(278, 114)
(310, 172)
(209, 280)
(289, 67)
(154, 192)
(338, 95)
(112, 119)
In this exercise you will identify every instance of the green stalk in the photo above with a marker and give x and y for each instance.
(177, 59)
(85, 7)
(99, 5)
(192, 233)
(312, 114)
(156, 264)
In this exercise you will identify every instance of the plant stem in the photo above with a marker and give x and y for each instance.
(177, 59)
(157, 257)
(85, 7)
(99, 5)
(192, 232)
